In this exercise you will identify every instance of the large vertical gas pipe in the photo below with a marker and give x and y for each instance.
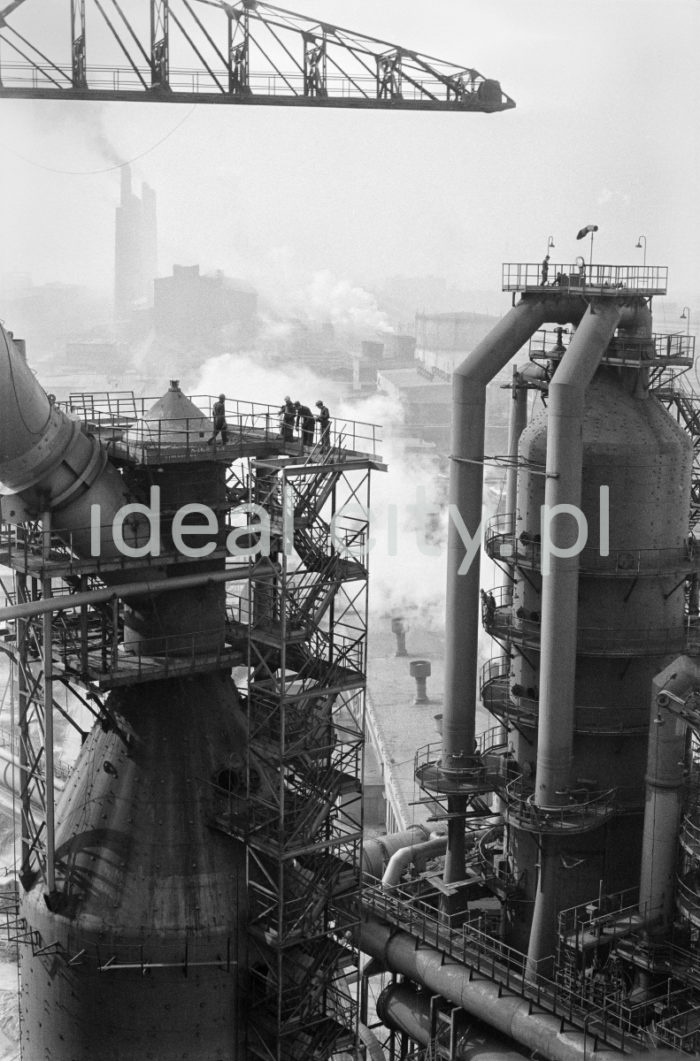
(517, 422)
(560, 590)
(664, 792)
(466, 496)
(560, 573)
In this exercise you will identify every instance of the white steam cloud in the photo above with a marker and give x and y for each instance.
(322, 297)
(408, 522)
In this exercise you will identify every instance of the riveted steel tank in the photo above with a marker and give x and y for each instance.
(635, 498)
(143, 941)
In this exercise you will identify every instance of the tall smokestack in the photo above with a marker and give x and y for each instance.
(135, 253)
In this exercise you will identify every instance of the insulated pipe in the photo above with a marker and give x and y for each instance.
(509, 1014)
(664, 794)
(406, 855)
(466, 498)
(404, 1009)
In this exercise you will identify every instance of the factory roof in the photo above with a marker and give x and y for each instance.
(421, 387)
(401, 725)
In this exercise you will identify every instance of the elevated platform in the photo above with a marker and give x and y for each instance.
(659, 351)
(607, 281)
(524, 550)
(519, 707)
(126, 669)
(133, 435)
(585, 810)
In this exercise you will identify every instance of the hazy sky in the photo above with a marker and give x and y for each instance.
(604, 132)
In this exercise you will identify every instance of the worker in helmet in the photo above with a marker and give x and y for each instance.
(324, 424)
(218, 412)
(305, 421)
(287, 416)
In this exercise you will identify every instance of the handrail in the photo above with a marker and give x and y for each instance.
(501, 543)
(501, 620)
(659, 349)
(480, 952)
(360, 88)
(129, 424)
(616, 280)
(585, 809)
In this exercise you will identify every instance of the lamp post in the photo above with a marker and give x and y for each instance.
(685, 316)
(550, 243)
(639, 244)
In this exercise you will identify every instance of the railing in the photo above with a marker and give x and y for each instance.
(659, 349)
(585, 810)
(358, 88)
(22, 547)
(515, 705)
(501, 543)
(481, 953)
(690, 830)
(688, 895)
(162, 653)
(681, 1031)
(479, 770)
(486, 743)
(589, 917)
(125, 424)
(615, 280)
(515, 625)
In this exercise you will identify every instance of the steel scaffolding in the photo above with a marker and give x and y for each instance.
(295, 624)
(301, 817)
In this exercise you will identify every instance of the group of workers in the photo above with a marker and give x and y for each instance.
(292, 414)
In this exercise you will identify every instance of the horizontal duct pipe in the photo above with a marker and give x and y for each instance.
(129, 589)
(404, 1009)
(509, 1014)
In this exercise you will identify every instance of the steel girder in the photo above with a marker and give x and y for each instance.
(210, 51)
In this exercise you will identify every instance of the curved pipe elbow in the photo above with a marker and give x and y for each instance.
(402, 858)
(48, 464)
(378, 850)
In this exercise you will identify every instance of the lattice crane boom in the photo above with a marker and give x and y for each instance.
(210, 51)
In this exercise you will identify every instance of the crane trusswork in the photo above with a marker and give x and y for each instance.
(248, 52)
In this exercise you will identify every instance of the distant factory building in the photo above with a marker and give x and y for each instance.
(422, 385)
(443, 340)
(394, 351)
(425, 403)
(135, 248)
(188, 306)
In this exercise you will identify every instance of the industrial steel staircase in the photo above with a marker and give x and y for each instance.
(300, 816)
